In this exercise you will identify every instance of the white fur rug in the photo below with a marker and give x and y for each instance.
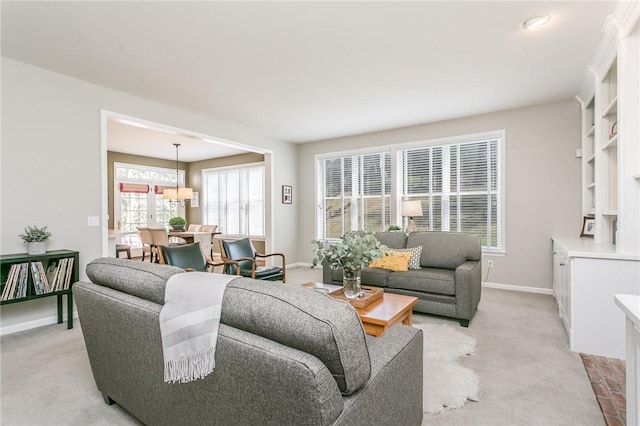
(447, 385)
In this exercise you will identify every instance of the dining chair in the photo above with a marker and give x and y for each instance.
(147, 243)
(189, 257)
(160, 237)
(240, 254)
(194, 227)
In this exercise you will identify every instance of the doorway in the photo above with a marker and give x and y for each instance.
(146, 145)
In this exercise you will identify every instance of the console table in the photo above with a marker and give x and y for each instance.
(50, 258)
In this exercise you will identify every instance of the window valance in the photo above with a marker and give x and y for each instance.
(134, 187)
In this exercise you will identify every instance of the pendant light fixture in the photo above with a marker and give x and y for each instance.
(177, 194)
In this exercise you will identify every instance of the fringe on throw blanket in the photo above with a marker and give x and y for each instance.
(190, 367)
(189, 322)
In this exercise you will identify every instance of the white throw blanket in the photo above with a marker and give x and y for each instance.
(189, 322)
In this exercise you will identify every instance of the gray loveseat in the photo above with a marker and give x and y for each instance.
(285, 355)
(448, 281)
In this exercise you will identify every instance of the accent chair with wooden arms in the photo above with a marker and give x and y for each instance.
(189, 257)
(241, 254)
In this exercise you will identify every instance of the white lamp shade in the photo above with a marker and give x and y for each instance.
(179, 194)
(411, 208)
(170, 194)
(185, 193)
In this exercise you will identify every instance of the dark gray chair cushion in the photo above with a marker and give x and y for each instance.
(427, 280)
(303, 319)
(445, 250)
(144, 280)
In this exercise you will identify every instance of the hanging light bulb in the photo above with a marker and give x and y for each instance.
(177, 194)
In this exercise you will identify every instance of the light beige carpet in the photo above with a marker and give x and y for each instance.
(527, 374)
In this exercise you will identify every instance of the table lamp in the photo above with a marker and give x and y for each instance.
(411, 209)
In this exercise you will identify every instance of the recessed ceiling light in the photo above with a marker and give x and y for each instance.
(535, 22)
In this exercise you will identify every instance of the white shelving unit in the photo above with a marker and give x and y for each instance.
(611, 135)
(587, 272)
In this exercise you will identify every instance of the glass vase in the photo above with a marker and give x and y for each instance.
(351, 283)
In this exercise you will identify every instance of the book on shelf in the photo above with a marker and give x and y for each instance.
(23, 280)
(61, 274)
(40, 282)
(55, 286)
(56, 277)
(43, 277)
(10, 284)
(67, 281)
(37, 283)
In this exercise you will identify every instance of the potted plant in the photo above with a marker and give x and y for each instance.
(36, 239)
(354, 251)
(394, 228)
(177, 223)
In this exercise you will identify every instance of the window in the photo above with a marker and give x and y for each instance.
(138, 198)
(234, 199)
(459, 185)
(354, 193)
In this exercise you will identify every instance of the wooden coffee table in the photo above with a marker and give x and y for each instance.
(381, 314)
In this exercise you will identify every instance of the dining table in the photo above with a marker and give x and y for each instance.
(205, 237)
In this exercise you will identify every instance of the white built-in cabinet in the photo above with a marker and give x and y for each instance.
(588, 272)
(586, 277)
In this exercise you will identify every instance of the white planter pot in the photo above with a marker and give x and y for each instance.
(39, 247)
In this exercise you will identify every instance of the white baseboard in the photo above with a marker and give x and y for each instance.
(10, 329)
(521, 288)
(299, 265)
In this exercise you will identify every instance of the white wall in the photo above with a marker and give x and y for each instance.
(51, 172)
(542, 182)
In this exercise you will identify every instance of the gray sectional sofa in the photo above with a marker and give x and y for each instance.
(285, 355)
(448, 281)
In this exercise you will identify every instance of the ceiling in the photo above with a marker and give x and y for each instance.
(138, 139)
(307, 71)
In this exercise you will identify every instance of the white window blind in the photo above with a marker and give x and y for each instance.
(234, 200)
(459, 186)
(354, 192)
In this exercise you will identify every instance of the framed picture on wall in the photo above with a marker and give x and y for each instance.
(588, 227)
(287, 194)
(195, 201)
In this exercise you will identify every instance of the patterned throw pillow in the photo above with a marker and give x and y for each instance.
(392, 261)
(416, 253)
